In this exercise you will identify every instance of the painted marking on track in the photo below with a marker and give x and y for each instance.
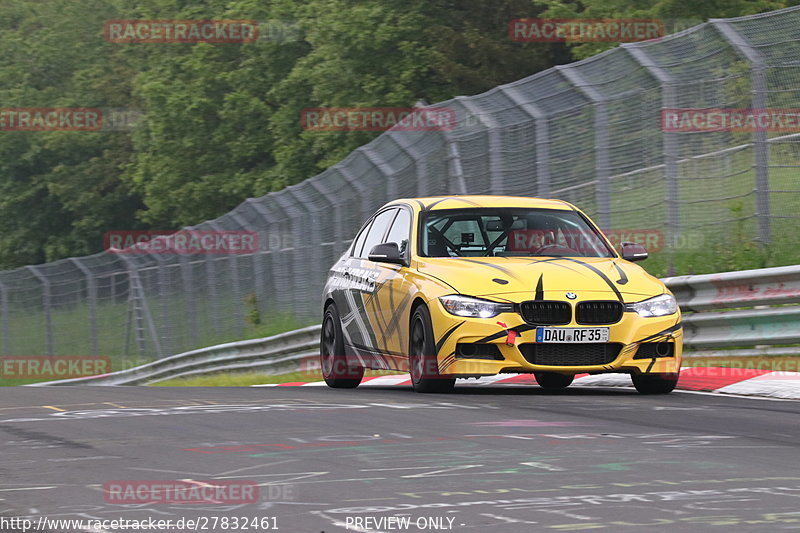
(257, 466)
(544, 466)
(112, 404)
(27, 488)
(506, 519)
(53, 408)
(369, 499)
(38, 406)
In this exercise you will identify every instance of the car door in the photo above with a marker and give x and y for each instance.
(388, 305)
(360, 276)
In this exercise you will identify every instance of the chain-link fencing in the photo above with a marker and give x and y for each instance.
(591, 133)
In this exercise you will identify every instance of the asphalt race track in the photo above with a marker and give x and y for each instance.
(481, 459)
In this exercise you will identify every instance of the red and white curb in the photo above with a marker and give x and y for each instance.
(739, 381)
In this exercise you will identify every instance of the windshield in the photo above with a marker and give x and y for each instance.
(509, 232)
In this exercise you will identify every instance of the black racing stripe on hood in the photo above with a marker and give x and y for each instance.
(623, 279)
(551, 260)
(504, 270)
(539, 288)
(600, 274)
(662, 333)
(446, 335)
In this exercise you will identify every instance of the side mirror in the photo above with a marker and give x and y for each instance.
(633, 252)
(387, 252)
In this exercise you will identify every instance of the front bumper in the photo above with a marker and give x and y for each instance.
(629, 333)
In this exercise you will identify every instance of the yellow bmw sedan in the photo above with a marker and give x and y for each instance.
(469, 286)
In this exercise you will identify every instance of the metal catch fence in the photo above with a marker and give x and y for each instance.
(590, 132)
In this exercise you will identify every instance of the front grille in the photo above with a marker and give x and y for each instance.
(649, 350)
(545, 312)
(599, 312)
(557, 354)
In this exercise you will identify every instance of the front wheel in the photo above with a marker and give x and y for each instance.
(553, 380)
(424, 367)
(654, 383)
(335, 369)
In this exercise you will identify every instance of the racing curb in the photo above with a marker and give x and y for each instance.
(739, 381)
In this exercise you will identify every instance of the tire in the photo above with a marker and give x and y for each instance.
(654, 383)
(553, 380)
(332, 358)
(423, 366)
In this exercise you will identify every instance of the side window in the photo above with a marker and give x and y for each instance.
(359, 241)
(376, 232)
(401, 228)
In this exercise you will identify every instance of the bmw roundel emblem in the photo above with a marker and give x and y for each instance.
(571, 295)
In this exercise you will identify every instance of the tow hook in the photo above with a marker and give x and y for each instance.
(511, 339)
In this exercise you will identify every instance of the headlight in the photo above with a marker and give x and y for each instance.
(473, 307)
(657, 306)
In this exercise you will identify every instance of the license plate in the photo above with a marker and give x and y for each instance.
(572, 335)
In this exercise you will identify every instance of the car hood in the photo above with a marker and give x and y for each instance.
(529, 278)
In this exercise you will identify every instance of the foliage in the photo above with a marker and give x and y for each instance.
(221, 122)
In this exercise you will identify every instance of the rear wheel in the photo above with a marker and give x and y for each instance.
(335, 369)
(654, 383)
(553, 380)
(424, 368)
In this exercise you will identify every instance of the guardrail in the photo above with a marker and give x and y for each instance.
(748, 309)
(276, 354)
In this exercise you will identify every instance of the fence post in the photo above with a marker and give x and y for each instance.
(244, 227)
(46, 297)
(91, 292)
(542, 138)
(350, 178)
(164, 329)
(496, 178)
(233, 262)
(383, 167)
(301, 224)
(283, 267)
(189, 295)
(339, 232)
(601, 162)
(261, 264)
(4, 312)
(454, 170)
(420, 165)
(758, 77)
(669, 100)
